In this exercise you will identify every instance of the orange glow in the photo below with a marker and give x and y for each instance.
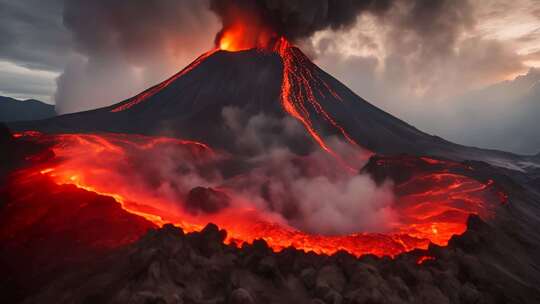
(424, 259)
(432, 207)
(240, 37)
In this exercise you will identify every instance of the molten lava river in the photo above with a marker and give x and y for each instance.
(431, 205)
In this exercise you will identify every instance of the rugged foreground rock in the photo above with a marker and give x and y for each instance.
(168, 266)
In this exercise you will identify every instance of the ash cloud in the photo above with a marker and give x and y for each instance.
(427, 62)
(299, 19)
(33, 35)
(122, 47)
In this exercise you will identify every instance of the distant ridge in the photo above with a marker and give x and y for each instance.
(24, 110)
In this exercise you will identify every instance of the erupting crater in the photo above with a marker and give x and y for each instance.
(432, 203)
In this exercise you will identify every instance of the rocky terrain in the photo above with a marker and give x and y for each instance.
(168, 266)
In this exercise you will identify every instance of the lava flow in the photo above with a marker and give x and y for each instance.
(298, 96)
(430, 207)
(301, 85)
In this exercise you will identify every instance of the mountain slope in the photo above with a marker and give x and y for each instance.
(21, 110)
(192, 104)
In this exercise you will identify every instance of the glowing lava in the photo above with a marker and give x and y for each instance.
(432, 206)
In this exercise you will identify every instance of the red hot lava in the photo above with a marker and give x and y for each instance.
(431, 207)
(240, 37)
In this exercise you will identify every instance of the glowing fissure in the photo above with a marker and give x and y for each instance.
(298, 96)
(433, 208)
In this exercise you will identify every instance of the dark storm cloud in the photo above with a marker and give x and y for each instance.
(301, 18)
(134, 27)
(20, 85)
(502, 116)
(125, 46)
(32, 34)
(436, 23)
(432, 58)
(432, 44)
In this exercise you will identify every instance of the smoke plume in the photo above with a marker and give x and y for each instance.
(123, 47)
(297, 19)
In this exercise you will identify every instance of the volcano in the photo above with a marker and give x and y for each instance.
(268, 146)
(280, 82)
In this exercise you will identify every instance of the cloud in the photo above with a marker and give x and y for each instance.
(419, 62)
(33, 35)
(23, 83)
(502, 116)
(123, 47)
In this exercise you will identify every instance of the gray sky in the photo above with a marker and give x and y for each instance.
(460, 69)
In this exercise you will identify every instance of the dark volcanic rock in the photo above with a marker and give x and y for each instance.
(206, 200)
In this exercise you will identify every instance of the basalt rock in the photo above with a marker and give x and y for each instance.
(206, 200)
